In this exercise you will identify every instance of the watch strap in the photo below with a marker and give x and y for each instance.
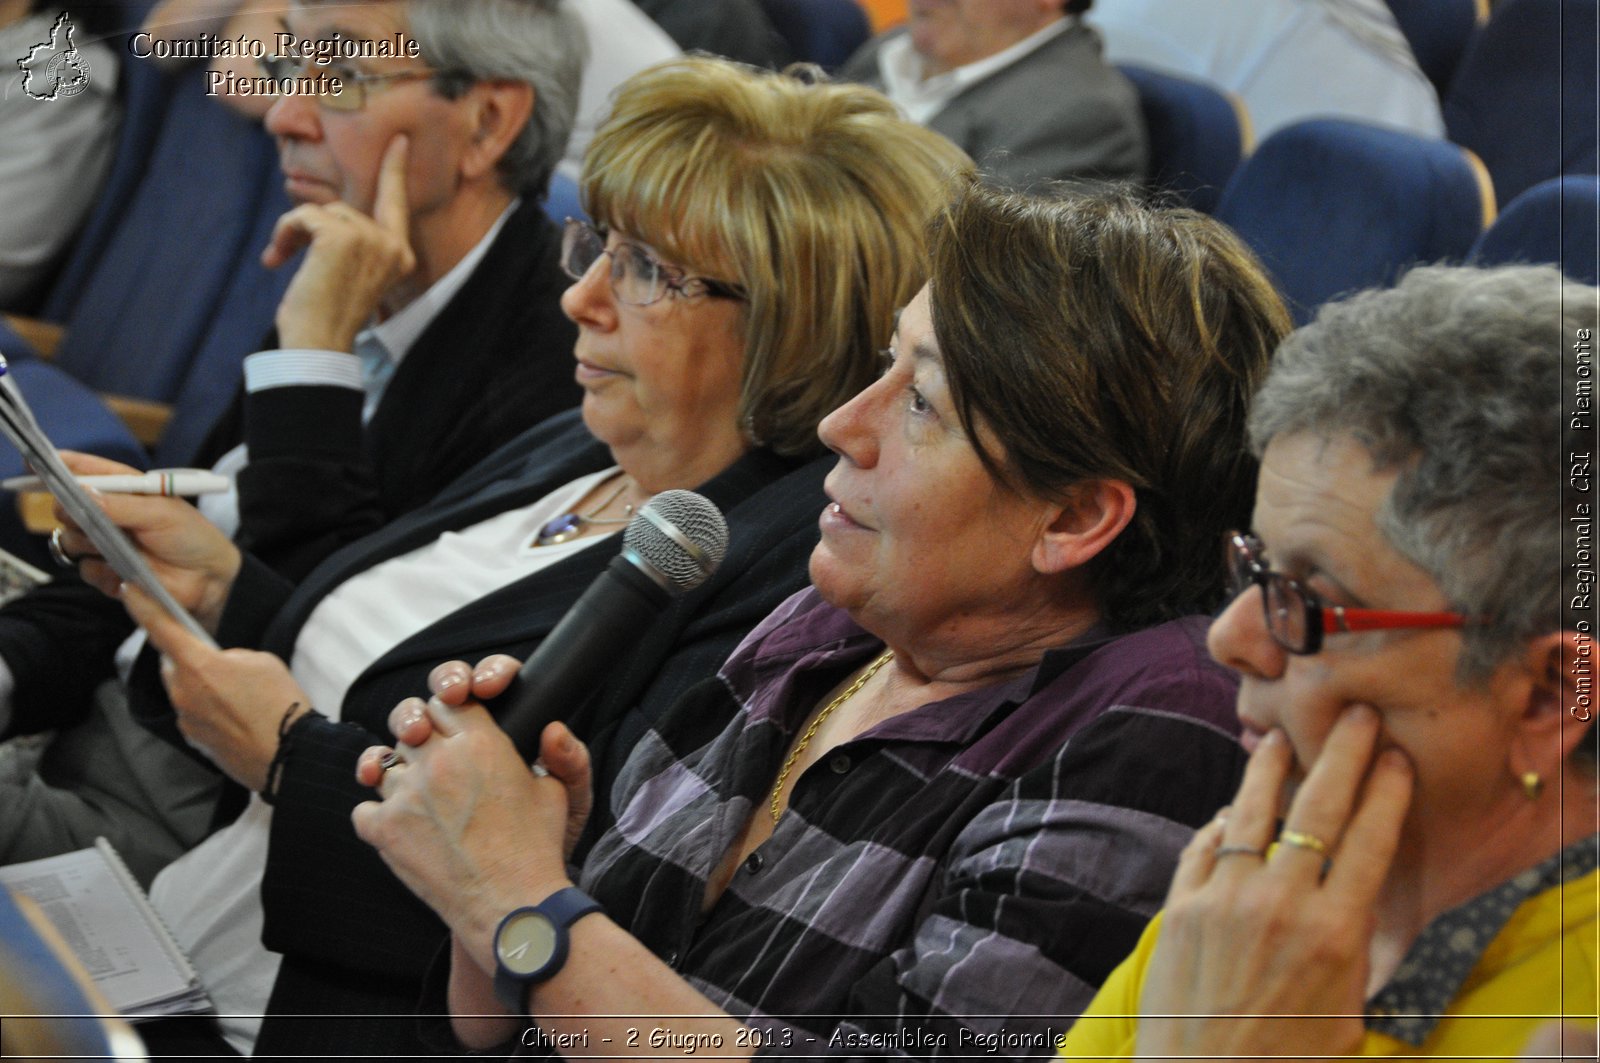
(567, 906)
(562, 908)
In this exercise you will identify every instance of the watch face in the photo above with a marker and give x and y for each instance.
(526, 943)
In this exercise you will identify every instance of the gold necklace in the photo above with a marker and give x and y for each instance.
(811, 732)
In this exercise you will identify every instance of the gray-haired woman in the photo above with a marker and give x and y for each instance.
(1412, 688)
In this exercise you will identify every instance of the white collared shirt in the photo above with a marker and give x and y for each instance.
(921, 98)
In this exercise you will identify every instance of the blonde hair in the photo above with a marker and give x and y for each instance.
(812, 197)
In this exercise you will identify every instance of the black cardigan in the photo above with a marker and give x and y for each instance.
(355, 941)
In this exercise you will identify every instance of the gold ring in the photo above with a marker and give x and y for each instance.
(1239, 850)
(1302, 840)
(58, 553)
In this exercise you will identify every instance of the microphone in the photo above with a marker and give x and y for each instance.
(672, 546)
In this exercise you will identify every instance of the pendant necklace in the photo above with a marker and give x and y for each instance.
(570, 525)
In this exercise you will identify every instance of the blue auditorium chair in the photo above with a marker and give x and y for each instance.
(144, 91)
(564, 200)
(1198, 134)
(1524, 98)
(1556, 221)
(824, 32)
(158, 279)
(170, 301)
(1332, 206)
(242, 319)
(1439, 32)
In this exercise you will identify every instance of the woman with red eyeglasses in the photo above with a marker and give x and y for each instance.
(1409, 866)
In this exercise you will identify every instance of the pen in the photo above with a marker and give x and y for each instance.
(182, 482)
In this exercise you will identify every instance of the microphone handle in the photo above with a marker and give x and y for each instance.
(579, 653)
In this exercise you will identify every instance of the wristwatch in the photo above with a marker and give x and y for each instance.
(530, 944)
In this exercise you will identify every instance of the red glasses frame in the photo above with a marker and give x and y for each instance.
(1297, 619)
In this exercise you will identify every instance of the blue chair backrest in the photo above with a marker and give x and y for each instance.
(1439, 32)
(1196, 134)
(242, 321)
(1524, 96)
(564, 200)
(1332, 206)
(161, 274)
(824, 32)
(145, 92)
(1556, 221)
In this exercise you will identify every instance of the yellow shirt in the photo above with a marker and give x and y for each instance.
(1542, 966)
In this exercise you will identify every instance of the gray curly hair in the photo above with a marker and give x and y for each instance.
(1454, 377)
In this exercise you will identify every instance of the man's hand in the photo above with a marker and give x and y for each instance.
(352, 263)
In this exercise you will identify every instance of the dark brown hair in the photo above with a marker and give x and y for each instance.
(1094, 336)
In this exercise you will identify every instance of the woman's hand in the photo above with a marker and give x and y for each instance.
(463, 821)
(1250, 945)
(455, 684)
(476, 834)
(191, 557)
(231, 703)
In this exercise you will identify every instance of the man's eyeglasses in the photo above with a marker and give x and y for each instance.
(638, 278)
(1297, 619)
(355, 84)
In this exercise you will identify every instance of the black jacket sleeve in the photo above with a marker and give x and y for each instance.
(58, 640)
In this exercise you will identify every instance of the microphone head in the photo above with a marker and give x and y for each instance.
(679, 538)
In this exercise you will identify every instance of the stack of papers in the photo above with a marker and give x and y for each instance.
(107, 921)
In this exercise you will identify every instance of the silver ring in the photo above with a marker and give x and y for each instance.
(391, 759)
(539, 770)
(1239, 850)
(58, 553)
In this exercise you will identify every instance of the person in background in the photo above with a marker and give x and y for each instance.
(753, 234)
(58, 121)
(1411, 688)
(733, 29)
(932, 799)
(1020, 85)
(1289, 60)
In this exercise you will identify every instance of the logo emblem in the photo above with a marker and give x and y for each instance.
(55, 69)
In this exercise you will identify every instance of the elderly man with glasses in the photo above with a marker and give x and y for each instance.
(421, 331)
(427, 257)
